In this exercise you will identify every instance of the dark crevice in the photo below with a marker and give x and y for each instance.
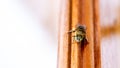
(70, 35)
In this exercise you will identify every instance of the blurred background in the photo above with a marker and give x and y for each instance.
(29, 28)
(110, 29)
(28, 33)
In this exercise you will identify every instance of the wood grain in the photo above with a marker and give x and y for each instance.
(97, 34)
(64, 41)
(87, 19)
(79, 55)
(76, 57)
(82, 56)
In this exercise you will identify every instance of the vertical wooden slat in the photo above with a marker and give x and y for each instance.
(87, 19)
(75, 48)
(96, 22)
(78, 55)
(83, 55)
(64, 42)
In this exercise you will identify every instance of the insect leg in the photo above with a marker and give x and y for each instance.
(73, 39)
(71, 31)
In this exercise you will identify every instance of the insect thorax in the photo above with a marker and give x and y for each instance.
(79, 36)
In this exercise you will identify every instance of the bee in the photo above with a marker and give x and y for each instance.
(79, 34)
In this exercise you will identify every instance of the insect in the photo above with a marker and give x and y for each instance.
(79, 34)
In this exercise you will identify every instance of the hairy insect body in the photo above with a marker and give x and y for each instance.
(79, 33)
(79, 36)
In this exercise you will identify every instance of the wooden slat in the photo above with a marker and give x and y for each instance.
(64, 42)
(87, 19)
(97, 34)
(82, 56)
(78, 55)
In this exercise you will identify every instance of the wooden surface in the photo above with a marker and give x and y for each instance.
(87, 18)
(78, 55)
(64, 43)
(97, 34)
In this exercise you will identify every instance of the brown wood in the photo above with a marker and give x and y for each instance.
(76, 57)
(64, 41)
(97, 34)
(87, 19)
(82, 56)
(79, 55)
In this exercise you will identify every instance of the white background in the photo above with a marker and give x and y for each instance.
(25, 41)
